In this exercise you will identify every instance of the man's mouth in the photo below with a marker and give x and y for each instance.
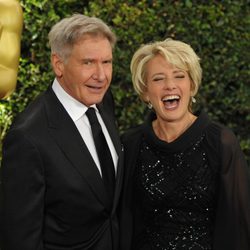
(93, 87)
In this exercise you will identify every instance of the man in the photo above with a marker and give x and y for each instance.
(52, 185)
(11, 22)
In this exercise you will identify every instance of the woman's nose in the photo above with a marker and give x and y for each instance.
(169, 83)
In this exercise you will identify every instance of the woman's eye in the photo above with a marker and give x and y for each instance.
(180, 76)
(158, 79)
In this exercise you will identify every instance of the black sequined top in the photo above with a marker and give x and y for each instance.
(176, 188)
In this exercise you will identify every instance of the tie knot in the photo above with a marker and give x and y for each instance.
(92, 116)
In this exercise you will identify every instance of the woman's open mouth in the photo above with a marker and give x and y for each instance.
(171, 101)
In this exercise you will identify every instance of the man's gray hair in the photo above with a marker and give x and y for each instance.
(70, 30)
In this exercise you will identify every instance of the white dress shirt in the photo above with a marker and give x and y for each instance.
(76, 111)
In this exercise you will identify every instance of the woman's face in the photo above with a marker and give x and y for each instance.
(168, 89)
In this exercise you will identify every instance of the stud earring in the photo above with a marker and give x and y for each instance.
(193, 99)
(150, 106)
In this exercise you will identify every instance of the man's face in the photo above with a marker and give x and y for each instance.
(87, 72)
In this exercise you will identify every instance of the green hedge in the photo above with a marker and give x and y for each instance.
(217, 30)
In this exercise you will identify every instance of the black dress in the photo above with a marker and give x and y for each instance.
(185, 194)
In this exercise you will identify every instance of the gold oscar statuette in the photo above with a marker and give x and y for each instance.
(11, 22)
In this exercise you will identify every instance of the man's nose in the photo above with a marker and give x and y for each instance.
(99, 72)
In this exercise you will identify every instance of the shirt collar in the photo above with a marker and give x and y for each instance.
(74, 108)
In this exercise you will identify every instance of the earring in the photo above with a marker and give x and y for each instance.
(150, 106)
(193, 99)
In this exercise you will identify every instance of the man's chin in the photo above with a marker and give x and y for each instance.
(92, 100)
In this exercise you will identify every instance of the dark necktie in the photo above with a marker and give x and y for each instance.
(104, 155)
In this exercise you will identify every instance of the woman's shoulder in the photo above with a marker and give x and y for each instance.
(223, 140)
(138, 130)
(219, 131)
(132, 133)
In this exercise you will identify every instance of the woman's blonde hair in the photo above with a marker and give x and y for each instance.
(178, 53)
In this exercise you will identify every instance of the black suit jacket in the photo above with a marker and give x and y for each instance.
(52, 195)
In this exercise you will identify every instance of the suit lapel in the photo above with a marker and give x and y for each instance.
(67, 137)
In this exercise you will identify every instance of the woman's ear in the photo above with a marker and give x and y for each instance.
(57, 64)
(192, 89)
(145, 96)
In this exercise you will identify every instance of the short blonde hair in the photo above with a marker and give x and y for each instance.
(178, 53)
(70, 30)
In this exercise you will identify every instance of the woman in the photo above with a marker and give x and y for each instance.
(186, 184)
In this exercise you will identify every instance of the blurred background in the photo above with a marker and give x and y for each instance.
(219, 32)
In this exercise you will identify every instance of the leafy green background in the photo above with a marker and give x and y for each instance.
(219, 31)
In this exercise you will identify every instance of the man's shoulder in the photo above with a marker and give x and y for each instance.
(32, 115)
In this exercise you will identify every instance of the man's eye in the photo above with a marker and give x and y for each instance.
(87, 62)
(107, 62)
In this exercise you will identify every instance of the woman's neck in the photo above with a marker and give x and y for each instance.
(170, 130)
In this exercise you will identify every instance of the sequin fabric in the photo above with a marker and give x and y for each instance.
(176, 194)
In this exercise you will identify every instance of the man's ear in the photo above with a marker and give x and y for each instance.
(57, 64)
